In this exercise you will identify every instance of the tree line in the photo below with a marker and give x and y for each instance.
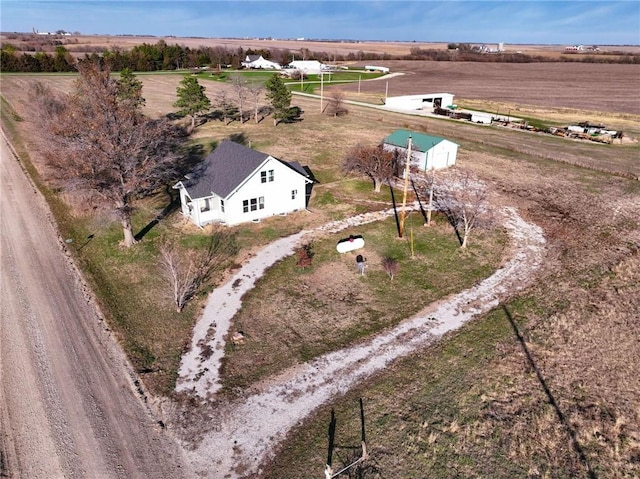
(162, 56)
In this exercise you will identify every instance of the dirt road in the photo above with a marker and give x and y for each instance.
(68, 407)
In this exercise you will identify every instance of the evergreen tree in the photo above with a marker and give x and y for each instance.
(130, 89)
(191, 98)
(280, 97)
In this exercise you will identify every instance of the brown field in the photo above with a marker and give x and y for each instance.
(474, 406)
(81, 43)
(611, 88)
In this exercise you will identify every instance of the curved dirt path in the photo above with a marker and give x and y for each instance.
(247, 430)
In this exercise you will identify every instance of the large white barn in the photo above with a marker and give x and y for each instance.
(427, 102)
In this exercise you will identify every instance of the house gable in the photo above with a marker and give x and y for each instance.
(224, 170)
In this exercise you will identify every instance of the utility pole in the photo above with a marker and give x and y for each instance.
(430, 206)
(403, 213)
(321, 90)
(386, 92)
(328, 469)
(359, 80)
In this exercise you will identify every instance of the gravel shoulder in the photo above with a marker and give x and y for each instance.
(69, 405)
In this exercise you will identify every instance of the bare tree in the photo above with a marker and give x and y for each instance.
(464, 200)
(239, 86)
(100, 144)
(224, 103)
(255, 91)
(186, 271)
(374, 162)
(335, 103)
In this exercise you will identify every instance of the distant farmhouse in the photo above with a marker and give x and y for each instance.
(427, 152)
(236, 184)
(257, 61)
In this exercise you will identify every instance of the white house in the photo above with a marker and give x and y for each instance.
(257, 61)
(235, 184)
(428, 101)
(427, 152)
(309, 66)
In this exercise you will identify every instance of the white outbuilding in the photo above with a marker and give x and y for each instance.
(427, 102)
(427, 152)
(307, 67)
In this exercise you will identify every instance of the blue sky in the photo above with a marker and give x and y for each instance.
(510, 21)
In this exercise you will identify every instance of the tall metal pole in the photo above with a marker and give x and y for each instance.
(359, 80)
(430, 207)
(321, 90)
(386, 92)
(403, 213)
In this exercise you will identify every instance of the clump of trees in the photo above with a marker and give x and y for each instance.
(100, 143)
(373, 161)
(31, 55)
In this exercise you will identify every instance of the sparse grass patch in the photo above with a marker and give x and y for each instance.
(438, 427)
(294, 314)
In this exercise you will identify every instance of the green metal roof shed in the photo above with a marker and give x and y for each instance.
(419, 141)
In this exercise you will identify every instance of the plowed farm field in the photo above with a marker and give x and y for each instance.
(612, 88)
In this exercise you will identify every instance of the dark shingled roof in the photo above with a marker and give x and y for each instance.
(224, 169)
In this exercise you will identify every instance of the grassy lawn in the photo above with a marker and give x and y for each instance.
(310, 84)
(436, 430)
(296, 314)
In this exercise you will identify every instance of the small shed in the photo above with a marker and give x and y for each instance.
(427, 152)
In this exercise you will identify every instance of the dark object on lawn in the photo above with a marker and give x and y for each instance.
(361, 264)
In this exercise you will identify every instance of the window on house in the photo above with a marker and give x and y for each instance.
(263, 177)
(271, 175)
(222, 206)
(206, 206)
(294, 194)
(253, 204)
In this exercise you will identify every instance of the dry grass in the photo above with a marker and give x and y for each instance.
(296, 314)
(473, 406)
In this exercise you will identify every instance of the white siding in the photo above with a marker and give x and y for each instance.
(419, 102)
(277, 194)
